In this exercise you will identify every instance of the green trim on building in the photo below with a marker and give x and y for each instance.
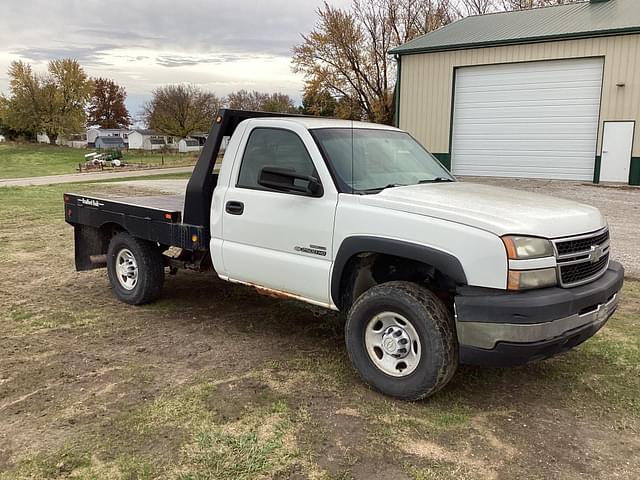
(444, 159)
(396, 120)
(596, 170)
(634, 171)
(519, 41)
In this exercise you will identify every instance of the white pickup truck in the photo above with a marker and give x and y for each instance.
(360, 218)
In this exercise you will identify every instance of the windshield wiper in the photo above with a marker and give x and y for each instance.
(379, 189)
(436, 180)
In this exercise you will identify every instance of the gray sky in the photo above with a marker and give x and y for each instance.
(221, 45)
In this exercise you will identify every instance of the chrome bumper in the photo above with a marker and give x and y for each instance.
(487, 335)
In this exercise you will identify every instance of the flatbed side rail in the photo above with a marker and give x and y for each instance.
(200, 188)
(155, 225)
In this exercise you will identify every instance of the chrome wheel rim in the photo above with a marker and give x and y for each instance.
(393, 344)
(126, 269)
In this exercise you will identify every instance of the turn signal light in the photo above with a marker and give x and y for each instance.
(528, 279)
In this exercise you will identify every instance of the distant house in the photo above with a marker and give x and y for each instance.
(2, 139)
(110, 143)
(72, 140)
(200, 136)
(44, 138)
(141, 139)
(78, 140)
(95, 132)
(188, 145)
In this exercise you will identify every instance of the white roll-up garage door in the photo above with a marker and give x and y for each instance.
(534, 119)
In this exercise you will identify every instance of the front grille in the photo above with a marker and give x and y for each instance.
(577, 273)
(583, 258)
(581, 244)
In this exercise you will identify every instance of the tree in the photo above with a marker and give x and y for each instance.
(23, 107)
(318, 101)
(245, 100)
(476, 7)
(180, 110)
(4, 112)
(525, 4)
(280, 103)
(348, 107)
(54, 103)
(261, 101)
(107, 107)
(347, 52)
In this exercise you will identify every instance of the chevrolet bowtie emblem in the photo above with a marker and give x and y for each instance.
(595, 253)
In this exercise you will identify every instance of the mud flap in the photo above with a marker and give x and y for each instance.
(90, 247)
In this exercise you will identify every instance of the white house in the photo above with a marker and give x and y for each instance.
(95, 132)
(2, 139)
(44, 138)
(141, 139)
(111, 142)
(189, 145)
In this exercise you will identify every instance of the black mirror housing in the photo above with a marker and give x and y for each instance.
(284, 180)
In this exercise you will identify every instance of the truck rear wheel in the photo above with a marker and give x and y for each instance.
(401, 339)
(135, 268)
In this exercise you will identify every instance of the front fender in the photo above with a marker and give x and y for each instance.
(444, 262)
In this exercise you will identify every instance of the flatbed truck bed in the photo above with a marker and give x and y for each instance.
(180, 221)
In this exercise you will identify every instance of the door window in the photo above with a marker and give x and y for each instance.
(273, 147)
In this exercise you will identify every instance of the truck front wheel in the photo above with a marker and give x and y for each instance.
(401, 339)
(135, 268)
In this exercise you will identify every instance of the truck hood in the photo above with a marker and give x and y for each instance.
(495, 209)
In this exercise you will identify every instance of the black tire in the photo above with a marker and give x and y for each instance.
(150, 269)
(432, 322)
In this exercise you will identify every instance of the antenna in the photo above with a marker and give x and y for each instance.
(352, 167)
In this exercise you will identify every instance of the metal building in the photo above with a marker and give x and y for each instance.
(544, 93)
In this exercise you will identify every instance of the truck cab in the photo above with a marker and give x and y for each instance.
(430, 272)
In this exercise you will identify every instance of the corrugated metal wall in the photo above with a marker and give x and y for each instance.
(427, 82)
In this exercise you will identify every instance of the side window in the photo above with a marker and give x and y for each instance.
(272, 147)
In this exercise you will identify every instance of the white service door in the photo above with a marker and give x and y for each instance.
(534, 119)
(277, 240)
(617, 143)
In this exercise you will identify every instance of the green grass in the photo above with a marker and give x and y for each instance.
(33, 160)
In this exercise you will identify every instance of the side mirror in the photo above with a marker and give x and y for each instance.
(285, 180)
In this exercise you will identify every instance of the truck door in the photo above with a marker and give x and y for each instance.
(275, 239)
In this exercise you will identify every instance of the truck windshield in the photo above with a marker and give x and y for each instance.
(370, 160)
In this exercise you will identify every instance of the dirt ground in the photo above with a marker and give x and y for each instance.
(218, 382)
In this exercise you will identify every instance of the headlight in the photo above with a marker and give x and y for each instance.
(528, 279)
(524, 248)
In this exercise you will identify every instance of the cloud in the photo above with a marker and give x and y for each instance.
(219, 44)
(85, 55)
(185, 60)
